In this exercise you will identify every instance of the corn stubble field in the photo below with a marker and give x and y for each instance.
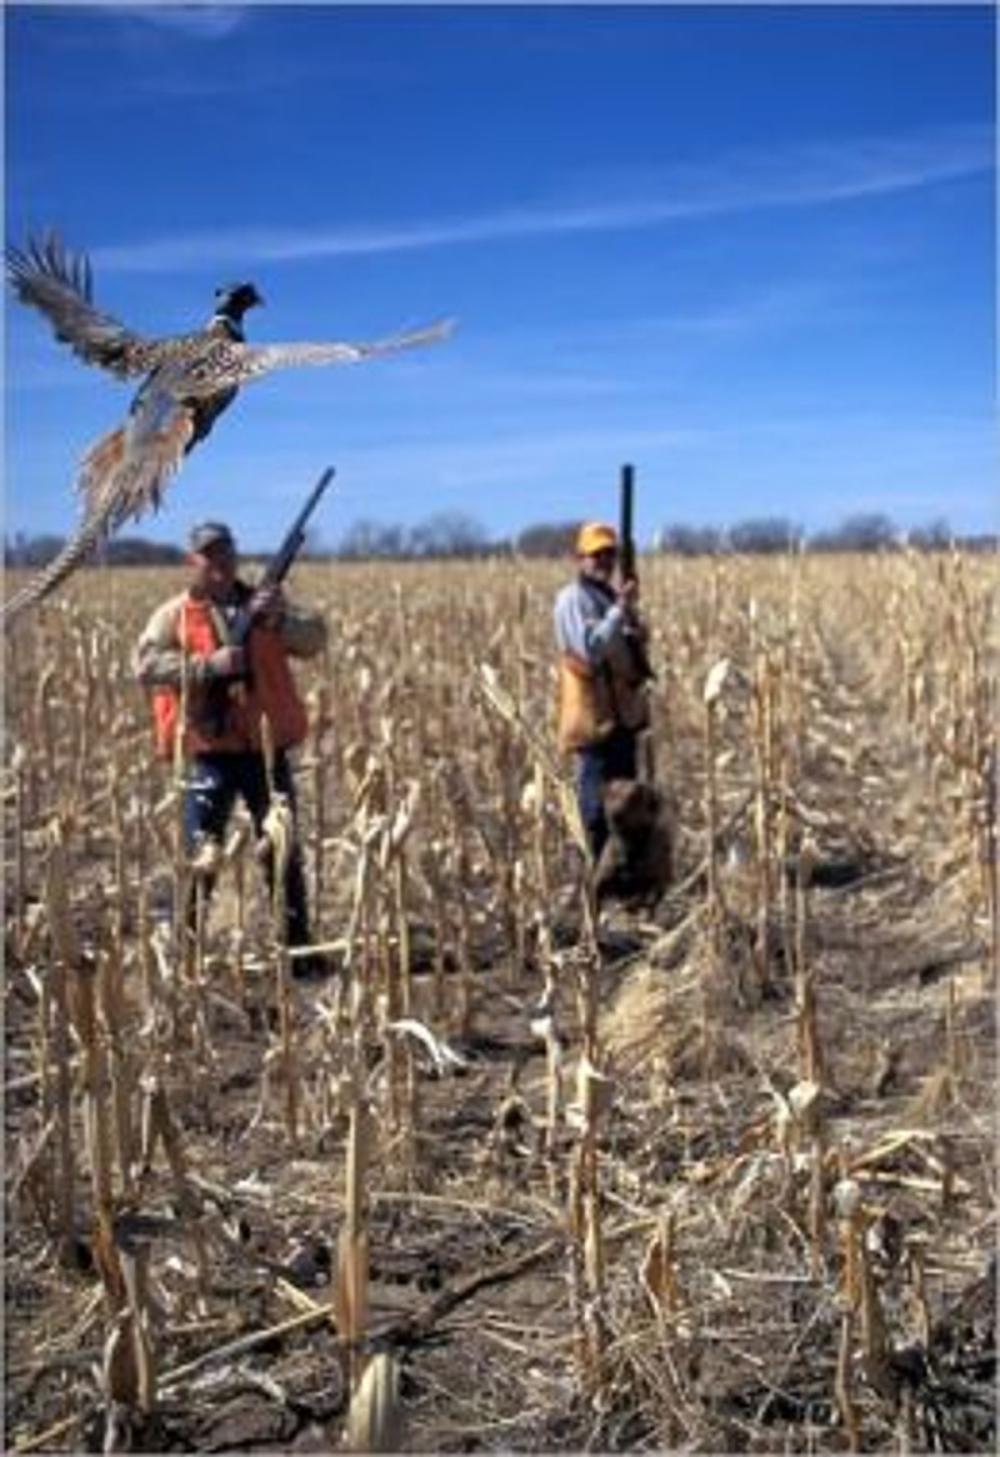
(519, 1177)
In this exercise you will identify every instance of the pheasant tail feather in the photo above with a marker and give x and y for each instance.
(115, 485)
(73, 553)
(123, 475)
(99, 466)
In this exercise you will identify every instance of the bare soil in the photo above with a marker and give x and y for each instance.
(748, 1361)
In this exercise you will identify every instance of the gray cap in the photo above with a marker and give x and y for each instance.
(211, 533)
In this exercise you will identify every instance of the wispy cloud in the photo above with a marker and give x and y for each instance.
(199, 22)
(777, 307)
(806, 175)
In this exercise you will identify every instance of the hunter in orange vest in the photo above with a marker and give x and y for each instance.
(603, 693)
(185, 656)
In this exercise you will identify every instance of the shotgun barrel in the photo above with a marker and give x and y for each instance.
(627, 566)
(625, 534)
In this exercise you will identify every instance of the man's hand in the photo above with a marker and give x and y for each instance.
(628, 594)
(267, 606)
(227, 663)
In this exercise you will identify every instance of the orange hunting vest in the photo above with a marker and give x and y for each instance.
(272, 691)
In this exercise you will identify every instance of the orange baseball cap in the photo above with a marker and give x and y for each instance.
(596, 536)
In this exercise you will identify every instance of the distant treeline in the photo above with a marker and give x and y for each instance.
(22, 550)
(768, 535)
(453, 534)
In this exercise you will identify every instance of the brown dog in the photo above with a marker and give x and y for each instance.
(636, 864)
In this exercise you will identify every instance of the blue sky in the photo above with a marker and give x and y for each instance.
(749, 249)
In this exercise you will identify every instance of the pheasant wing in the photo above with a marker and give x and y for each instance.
(59, 285)
(245, 362)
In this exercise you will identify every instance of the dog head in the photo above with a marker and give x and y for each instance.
(632, 808)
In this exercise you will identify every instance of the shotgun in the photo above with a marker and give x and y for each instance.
(280, 564)
(627, 568)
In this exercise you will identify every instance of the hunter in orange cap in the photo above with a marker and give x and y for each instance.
(603, 704)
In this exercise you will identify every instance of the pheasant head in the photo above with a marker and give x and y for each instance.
(233, 299)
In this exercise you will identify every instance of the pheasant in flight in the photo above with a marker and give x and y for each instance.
(189, 380)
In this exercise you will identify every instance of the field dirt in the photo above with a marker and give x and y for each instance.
(766, 1224)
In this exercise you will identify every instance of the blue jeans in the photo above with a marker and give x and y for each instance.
(613, 758)
(213, 782)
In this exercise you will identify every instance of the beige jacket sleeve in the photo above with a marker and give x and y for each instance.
(303, 631)
(158, 659)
